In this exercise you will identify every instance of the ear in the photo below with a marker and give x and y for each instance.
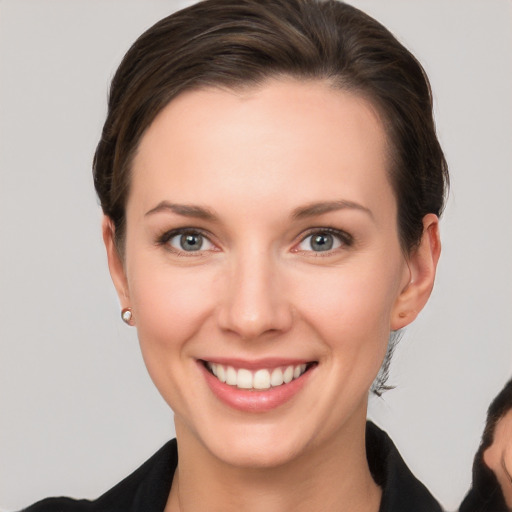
(422, 263)
(115, 262)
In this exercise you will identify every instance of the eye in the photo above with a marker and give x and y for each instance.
(324, 241)
(188, 241)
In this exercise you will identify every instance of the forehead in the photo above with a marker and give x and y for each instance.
(306, 140)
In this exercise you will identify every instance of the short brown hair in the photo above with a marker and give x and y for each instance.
(235, 43)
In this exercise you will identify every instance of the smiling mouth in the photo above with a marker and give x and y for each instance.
(260, 379)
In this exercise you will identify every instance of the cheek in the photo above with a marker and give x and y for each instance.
(350, 305)
(351, 311)
(169, 304)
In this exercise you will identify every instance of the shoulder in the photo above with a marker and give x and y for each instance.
(146, 489)
(401, 490)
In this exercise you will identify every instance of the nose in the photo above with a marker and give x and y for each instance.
(254, 302)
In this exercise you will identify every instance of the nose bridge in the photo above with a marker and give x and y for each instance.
(255, 300)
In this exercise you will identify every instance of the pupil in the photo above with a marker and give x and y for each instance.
(322, 242)
(191, 242)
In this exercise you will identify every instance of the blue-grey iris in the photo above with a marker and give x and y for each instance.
(322, 242)
(191, 242)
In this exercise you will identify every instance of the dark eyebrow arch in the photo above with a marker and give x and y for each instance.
(313, 209)
(186, 210)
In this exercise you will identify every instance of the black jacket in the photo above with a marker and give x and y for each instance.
(147, 489)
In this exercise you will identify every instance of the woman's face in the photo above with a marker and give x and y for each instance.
(262, 246)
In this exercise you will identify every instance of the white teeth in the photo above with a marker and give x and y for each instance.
(288, 374)
(230, 376)
(221, 373)
(299, 370)
(276, 379)
(244, 379)
(259, 379)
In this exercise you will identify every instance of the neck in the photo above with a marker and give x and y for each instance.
(329, 478)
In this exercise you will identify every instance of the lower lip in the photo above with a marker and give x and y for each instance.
(251, 400)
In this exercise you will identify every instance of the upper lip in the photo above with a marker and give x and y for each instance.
(255, 364)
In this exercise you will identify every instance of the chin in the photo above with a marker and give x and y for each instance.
(267, 449)
(259, 453)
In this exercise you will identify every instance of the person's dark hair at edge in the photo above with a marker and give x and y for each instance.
(242, 43)
(486, 490)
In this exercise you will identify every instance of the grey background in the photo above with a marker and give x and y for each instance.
(77, 409)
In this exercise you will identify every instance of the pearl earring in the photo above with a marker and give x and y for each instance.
(126, 315)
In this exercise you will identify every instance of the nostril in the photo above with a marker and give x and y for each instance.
(252, 319)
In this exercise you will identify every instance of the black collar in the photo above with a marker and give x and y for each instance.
(401, 490)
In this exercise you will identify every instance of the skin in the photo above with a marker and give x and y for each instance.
(253, 158)
(498, 456)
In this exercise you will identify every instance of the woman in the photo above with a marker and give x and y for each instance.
(271, 183)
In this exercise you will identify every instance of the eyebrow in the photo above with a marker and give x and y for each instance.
(302, 212)
(314, 209)
(186, 210)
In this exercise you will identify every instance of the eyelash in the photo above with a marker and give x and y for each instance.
(346, 240)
